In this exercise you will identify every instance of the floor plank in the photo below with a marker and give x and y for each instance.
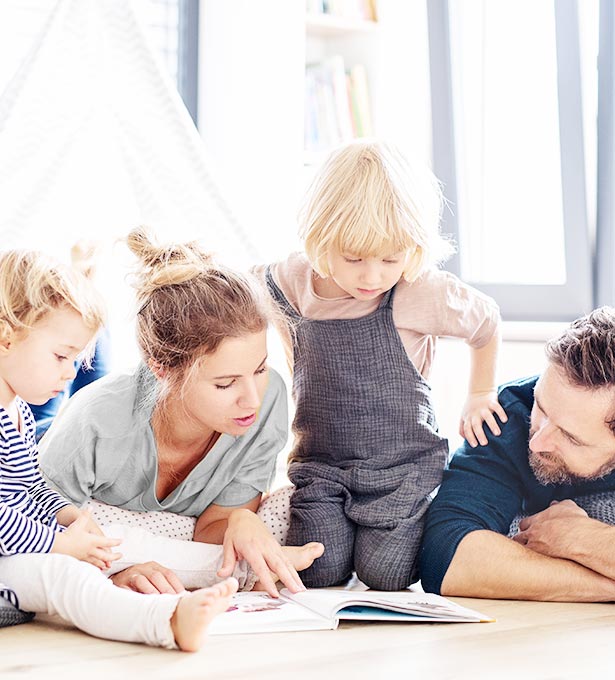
(529, 640)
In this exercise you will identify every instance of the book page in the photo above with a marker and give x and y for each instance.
(426, 606)
(258, 613)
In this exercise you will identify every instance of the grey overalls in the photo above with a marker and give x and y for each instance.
(367, 453)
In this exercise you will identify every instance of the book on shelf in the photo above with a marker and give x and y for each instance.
(337, 104)
(360, 104)
(323, 609)
(350, 9)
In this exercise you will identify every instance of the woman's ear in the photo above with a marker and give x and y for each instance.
(157, 369)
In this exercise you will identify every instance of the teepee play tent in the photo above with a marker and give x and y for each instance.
(95, 139)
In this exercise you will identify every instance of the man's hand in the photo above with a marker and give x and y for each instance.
(150, 578)
(552, 532)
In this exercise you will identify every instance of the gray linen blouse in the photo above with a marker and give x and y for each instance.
(102, 446)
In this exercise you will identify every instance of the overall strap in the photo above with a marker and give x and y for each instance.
(387, 298)
(279, 296)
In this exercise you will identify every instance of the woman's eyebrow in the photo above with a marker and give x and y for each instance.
(238, 375)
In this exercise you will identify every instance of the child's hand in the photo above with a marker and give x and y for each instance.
(90, 525)
(479, 408)
(85, 545)
(67, 515)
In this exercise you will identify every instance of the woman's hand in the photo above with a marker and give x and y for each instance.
(246, 537)
(480, 408)
(86, 545)
(149, 578)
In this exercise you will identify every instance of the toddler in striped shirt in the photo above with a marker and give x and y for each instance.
(51, 553)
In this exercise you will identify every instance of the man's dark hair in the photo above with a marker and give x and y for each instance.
(586, 351)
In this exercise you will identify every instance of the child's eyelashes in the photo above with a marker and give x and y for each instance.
(386, 260)
(60, 357)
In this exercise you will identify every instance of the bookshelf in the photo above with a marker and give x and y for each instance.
(252, 72)
(340, 36)
(327, 25)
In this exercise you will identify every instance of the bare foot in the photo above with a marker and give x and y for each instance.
(300, 557)
(195, 610)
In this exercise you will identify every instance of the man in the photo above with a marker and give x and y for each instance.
(568, 417)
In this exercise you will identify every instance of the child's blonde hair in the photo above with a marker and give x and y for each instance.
(369, 201)
(188, 306)
(33, 284)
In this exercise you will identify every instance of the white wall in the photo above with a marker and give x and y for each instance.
(251, 71)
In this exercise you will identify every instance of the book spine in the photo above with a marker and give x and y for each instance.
(361, 100)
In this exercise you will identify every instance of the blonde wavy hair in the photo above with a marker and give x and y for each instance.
(32, 284)
(188, 305)
(368, 200)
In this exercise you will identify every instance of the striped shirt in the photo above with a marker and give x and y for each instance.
(27, 505)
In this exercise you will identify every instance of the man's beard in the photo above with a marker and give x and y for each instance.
(551, 472)
(549, 469)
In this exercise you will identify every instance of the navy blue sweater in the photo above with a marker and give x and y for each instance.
(486, 487)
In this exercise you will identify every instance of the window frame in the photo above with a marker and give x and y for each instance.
(520, 302)
(605, 208)
(188, 56)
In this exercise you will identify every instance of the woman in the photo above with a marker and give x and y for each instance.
(196, 430)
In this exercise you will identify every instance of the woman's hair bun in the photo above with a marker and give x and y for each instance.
(165, 264)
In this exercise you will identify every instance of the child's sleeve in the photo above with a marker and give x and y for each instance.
(445, 306)
(472, 315)
(47, 499)
(20, 534)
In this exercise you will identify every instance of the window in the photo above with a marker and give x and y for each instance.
(509, 146)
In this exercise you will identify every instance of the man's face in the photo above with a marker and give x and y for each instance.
(569, 436)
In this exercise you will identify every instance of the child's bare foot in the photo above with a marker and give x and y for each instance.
(195, 610)
(301, 557)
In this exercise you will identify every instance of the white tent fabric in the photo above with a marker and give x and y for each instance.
(94, 139)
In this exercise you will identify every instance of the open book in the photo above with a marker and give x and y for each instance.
(322, 609)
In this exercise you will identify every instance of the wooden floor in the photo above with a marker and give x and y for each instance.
(529, 640)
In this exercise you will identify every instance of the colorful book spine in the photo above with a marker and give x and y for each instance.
(337, 104)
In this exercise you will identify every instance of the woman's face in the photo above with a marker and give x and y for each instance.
(225, 390)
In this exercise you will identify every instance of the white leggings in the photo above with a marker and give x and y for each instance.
(81, 594)
(84, 596)
(196, 564)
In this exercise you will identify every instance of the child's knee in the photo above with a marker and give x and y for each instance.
(380, 573)
(328, 573)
